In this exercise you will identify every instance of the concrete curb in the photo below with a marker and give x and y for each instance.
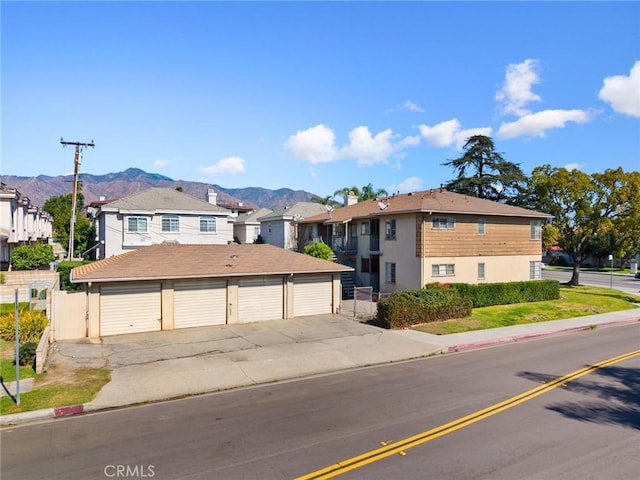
(534, 335)
(70, 410)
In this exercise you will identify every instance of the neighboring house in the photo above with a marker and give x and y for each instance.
(159, 215)
(246, 226)
(166, 287)
(280, 228)
(406, 241)
(235, 208)
(21, 223)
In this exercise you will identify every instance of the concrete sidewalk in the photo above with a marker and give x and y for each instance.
(162, 365)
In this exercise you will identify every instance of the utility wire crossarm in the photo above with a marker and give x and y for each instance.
(79, 147)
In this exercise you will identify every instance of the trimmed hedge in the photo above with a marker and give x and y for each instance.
(411, 307)
(488, 294)
(64, 270)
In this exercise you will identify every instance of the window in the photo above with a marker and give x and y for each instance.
(534, 271)
(365, 265)
(365, 228)
(256, 232)
(137, 224)
(389, 273)
(536, 230)
(390, 231)
(208, 224)
(442, 270)
(170, 223)
(443, 223)
(481, 271)
(481, 226)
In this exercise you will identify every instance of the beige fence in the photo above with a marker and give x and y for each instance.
(68, 315)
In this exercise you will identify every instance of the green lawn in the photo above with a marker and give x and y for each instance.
(8, 370)
(574, 302)
(82, 388)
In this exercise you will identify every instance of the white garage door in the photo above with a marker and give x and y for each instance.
(130, 308)
(200, 303)
(312, 295)
(260, 299)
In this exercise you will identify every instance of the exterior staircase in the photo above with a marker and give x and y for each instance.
(348, 281)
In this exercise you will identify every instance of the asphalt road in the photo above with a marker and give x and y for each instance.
(626, 283)
(582, 427)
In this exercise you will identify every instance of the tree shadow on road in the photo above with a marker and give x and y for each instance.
(614, 401)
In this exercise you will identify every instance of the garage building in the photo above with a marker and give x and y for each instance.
(169, 286)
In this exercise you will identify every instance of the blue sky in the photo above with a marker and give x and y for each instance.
(317, 95)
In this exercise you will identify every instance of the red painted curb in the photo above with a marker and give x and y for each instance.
(70, 410)
(527, 336)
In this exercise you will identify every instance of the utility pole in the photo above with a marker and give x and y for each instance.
(76, 163)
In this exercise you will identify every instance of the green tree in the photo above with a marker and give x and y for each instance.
(60, 208)
(319, 250)
(367, 192)
(484, 173)
(328, 200)
(586, 207)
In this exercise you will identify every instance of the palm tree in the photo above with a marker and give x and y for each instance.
(366, 193)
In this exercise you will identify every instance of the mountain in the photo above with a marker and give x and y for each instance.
(113, 186)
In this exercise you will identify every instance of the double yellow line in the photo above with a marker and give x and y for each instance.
(401, 446)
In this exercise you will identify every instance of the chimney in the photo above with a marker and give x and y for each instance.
(102, 198)
(212, 196)
(350, 199)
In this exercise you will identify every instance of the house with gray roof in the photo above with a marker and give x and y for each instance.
(280, 228)
(160, 215)
(246, 226)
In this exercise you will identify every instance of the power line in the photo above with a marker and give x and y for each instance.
(76, 163)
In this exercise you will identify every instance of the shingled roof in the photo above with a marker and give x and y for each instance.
(439, 201)
(162, 199)
(174, 261)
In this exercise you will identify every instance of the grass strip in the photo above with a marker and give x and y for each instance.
(574, 302)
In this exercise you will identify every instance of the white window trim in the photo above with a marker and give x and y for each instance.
(448, 222)
(482, 226)
(446, 269)
(137, 217)
(171, 218)
(207, 218)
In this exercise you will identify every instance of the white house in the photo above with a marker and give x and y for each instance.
(160, 215)
(21, 223)
(246, 226)
(280, 228)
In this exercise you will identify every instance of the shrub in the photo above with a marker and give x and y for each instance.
(319, 250)
(403, 309)
(64, 271)
(27, 355)
(32, 324)
(31, 257)
(487, 294)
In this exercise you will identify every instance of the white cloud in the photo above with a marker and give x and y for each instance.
(463, 135)
(315, 145)
(159, 164)
(229, 165)
(572, 166)
(535, 124)
(449, 133)
(412, 107)
(367, 149)
(441, 135)
(411, 184)
(623, 92)
(516, 93)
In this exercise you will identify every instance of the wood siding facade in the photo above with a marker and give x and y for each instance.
(502, 236)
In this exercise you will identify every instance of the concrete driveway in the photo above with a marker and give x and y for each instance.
(160, 365)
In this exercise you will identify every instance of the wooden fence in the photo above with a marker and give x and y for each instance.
(68, 315)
